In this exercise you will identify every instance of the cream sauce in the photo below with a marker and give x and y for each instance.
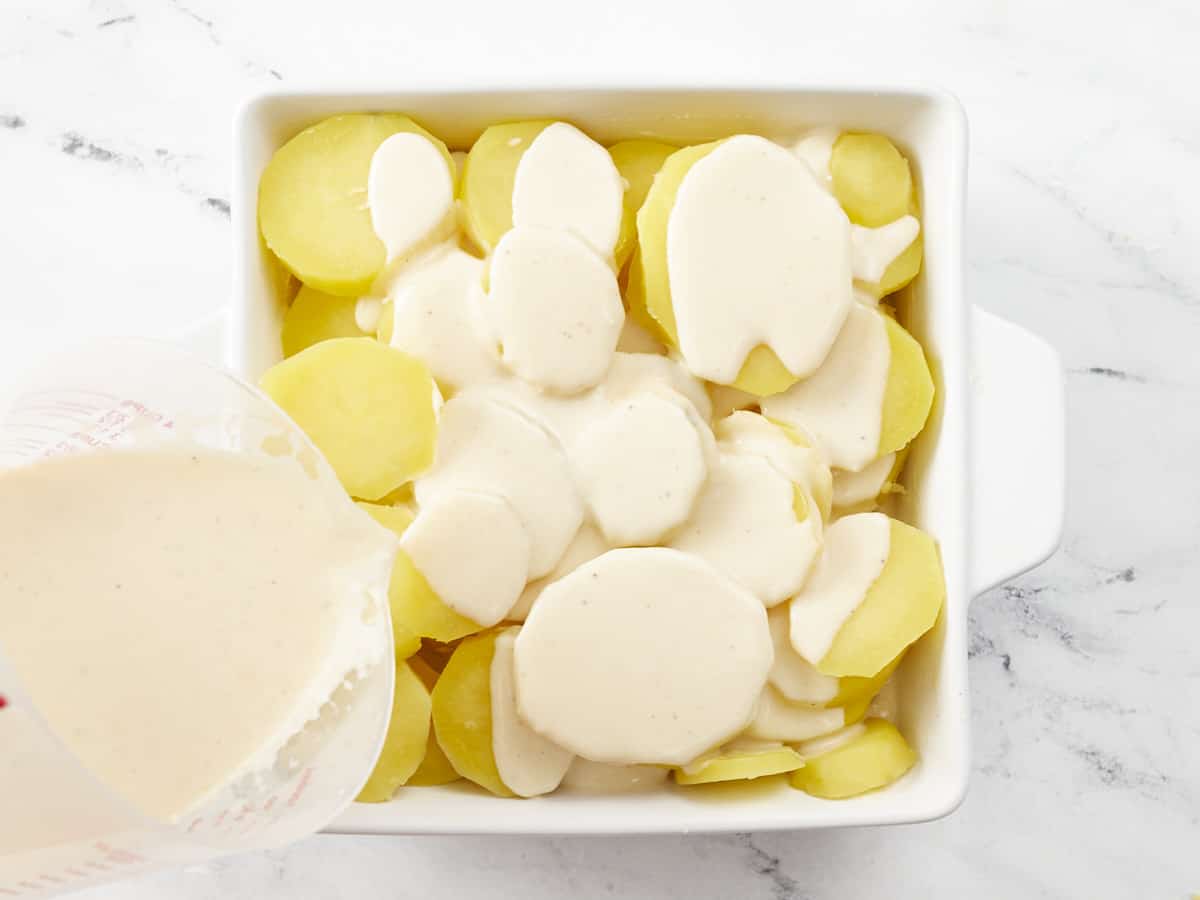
(567, 181)
(852, 488)
(588, 544)
(555, 307)
(792, 675)
(745, 525)
(750, 222)
(486, 447)
(841, 406)
(641, 466)
(874, 249)
(488, 528)
(856, 550)
(616, 660)
(178, 614)
(367, 311)
(815, 148)
(778, 719)
(826, 743)
(437, 315)
(527, 763)
(410, 192)
(587, 777)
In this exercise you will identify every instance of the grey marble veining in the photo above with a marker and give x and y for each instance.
(115, 121)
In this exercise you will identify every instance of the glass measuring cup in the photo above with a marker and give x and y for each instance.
(60, 827)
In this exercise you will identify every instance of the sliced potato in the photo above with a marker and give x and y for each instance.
(434, 769)
(418, 608)
(905, 267)
(488, 175)
(871, 178)
(741, 765)
(369, 408)
(638, 161)
(873, 757)
(908, 397)
(314, 317)
(407, 735)
(312, 200)
(901, 605)
(462, 712)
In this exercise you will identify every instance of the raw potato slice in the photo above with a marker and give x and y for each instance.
(871, 179)
(741, 765)
(650, 289)
(312, 201)
(873, 758)
(462, 712)
(555, 307)
(487, 526)
(407, 735)
(899, 607)
(908, 397)
(396, 519)
(367, 407)
(638, 161)
(314, 317)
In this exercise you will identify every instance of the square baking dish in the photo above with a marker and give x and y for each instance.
(985, 478)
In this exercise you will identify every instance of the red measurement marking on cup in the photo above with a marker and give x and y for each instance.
(3, 701)
(300, 788)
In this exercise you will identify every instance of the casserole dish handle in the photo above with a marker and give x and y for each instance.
(1018, 456)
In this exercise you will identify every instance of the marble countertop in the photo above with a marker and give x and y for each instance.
(1084, 186)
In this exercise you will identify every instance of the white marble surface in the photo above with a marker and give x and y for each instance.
(1085, 185)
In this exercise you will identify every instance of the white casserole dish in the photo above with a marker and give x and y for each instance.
(985, 479)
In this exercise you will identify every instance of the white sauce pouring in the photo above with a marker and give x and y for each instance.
(750, 221)
(856, 550)
(841, 406)
(116, 573)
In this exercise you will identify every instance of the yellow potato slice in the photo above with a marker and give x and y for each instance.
(312, 201)
(908, 396)
(900, 606)
(906, 266)
(638, 161)
(407, 736)
(649, 286)
(462, 712)
(314, 317)
(434, 769)
(488, 176)
(369, 408)
(871, 179)
(874, 758)
(415, 608)
(743, 765)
